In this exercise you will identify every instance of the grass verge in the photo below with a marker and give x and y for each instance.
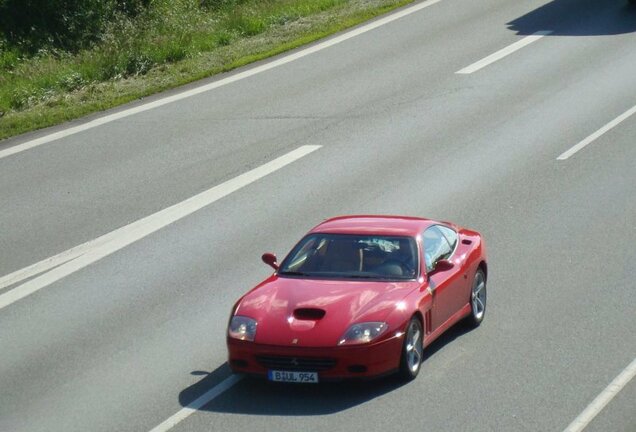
(172, 44)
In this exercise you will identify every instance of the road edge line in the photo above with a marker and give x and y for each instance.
(271, 64)
(197, 404)
(135, 231)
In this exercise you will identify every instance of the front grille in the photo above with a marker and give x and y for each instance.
(303, 364)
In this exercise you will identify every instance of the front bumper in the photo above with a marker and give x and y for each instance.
(358, 361)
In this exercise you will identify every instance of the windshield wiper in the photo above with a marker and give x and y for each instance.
(292, 273)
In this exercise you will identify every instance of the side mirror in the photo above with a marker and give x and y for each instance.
(442, 265)
(270, 259)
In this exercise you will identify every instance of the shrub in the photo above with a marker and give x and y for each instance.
(71, 81)
(67, 24)
(218, 4)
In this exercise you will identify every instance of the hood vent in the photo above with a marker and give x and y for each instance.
(309, 314)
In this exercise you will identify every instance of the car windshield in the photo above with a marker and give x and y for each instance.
(347, 256)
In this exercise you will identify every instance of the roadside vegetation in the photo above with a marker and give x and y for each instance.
(61, 59)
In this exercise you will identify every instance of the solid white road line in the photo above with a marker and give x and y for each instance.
(56, 260)
(603, 399)
(197, 404)
(611, 125)
(68, 262)
(222, 82)
(503, 52)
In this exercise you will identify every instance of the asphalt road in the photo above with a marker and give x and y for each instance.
(126, 341)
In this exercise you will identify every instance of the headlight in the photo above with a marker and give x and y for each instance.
(242, 328)
(363, 333)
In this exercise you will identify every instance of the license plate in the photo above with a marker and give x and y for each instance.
(292, 376)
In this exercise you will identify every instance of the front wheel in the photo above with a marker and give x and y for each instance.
(412, 350)
(478, 299)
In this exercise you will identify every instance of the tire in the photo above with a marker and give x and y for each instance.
(478, 299)
(412, 350)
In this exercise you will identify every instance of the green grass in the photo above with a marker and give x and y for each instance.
(172, 43)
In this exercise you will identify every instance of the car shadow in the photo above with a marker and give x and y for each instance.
(578, 18)
(450, 335)
(260, 397)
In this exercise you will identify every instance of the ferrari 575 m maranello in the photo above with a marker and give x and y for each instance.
(359, 297)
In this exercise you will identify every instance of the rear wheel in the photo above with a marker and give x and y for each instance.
(478, 299)
(412, 350)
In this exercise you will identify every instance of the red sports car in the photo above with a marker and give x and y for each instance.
(359, 296)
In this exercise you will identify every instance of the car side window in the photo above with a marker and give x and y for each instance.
(437, 245)
(450, 235)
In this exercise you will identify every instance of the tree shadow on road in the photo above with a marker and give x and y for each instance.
(578, 18)
(260, 397)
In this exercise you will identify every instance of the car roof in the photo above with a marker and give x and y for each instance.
(374, 224)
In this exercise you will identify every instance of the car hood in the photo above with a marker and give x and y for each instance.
(281, 305)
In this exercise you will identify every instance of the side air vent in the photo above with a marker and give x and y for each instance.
(309, 314)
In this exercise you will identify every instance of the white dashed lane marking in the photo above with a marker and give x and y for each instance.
(503, 53)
